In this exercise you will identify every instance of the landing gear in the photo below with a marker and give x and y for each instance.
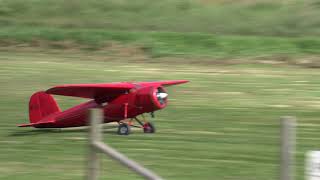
(124, 129)
(125, 126)
(148, 127)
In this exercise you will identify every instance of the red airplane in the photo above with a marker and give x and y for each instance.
(122, 102)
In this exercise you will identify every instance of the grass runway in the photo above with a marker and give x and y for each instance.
(224, 124)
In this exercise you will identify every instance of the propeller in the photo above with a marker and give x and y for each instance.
(161, 96)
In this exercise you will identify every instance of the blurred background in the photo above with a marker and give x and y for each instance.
(249, 62)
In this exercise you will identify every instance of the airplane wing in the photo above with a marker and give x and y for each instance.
(164, 83)
(101, 92)
(104, 92)
(173, 82)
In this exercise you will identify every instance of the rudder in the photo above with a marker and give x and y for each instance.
(41, 105)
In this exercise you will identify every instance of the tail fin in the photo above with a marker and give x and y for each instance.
(41, 105)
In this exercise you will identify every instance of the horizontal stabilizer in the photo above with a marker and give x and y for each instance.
(35, 124)
(26, 125)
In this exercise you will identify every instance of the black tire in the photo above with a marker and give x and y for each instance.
(149, 128)
(124, 129)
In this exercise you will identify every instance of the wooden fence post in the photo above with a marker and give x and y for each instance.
(95, 120)
(97, 146)
(288, 141)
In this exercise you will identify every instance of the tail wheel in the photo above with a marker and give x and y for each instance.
(149, 127)
(124, 129)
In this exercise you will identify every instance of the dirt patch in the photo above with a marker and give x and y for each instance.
(38, 44)
(75, 138)
(122, 50)
(243, 2)
(310, 62)
(115, 51)
(112, 49)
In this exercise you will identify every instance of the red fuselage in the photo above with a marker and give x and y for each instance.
(139, 100)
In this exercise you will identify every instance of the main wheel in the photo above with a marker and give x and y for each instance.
(149, 127)
(124, 129)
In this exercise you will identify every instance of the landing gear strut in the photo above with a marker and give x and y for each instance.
(125, 127)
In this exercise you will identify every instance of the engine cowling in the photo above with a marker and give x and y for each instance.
(151, 98)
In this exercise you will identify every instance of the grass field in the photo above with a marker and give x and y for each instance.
(242, 17)
(216, 29)
(164, 44)
(249, 62)
(224, 124)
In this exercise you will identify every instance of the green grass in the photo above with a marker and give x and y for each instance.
(263, 17)
(159, 44)
(224, 124)
(190, 28)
